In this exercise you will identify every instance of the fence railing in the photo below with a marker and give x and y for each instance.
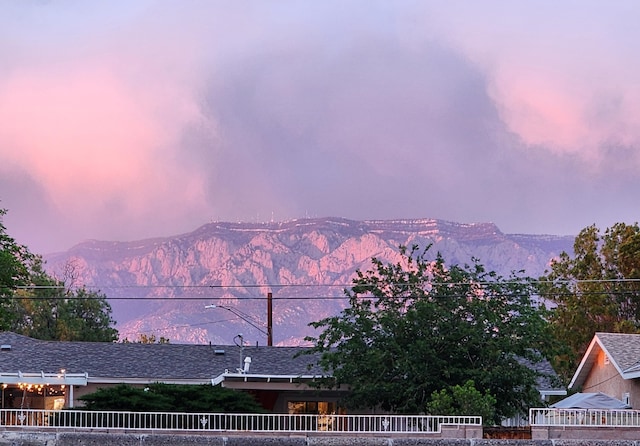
(584, 417)
(79, 419)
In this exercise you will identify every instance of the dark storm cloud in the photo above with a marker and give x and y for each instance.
(347, 131)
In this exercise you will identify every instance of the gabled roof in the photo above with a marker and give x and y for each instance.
(133, 362)
(622, 349)
(547, 382)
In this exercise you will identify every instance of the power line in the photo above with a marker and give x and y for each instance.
(303, 298)
(523, 281)
(170, 327)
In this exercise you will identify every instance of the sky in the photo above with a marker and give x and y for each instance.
(126, 120)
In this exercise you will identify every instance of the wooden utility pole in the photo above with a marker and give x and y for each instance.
(269, 319)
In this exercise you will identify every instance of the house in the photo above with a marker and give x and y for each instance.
(547, 384)
(40, 374)
(611, 365)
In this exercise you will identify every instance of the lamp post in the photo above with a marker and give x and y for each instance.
(246, 318)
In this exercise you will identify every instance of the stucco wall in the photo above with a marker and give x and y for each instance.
(556, 433)
(605, 378)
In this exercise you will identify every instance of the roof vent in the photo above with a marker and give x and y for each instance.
(219, 352)
(5, 347)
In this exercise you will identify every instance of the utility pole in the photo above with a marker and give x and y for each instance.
(269, 319)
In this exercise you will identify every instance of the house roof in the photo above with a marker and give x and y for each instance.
(135, 362)
(109, 362)
(622, 349)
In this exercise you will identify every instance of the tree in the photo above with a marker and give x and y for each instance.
(417, 326)
(53, 311)
(596, 290)
(86, 315)
(463, 400)
(147, 339)
(16, 267)
(36, 304)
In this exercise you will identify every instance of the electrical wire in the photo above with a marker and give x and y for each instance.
(317, 285)
(321, 298)
(523, 282)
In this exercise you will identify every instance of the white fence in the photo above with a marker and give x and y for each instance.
(584, 417)
(79, 419)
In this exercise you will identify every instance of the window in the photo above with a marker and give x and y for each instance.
(312, 407)
(326, 421)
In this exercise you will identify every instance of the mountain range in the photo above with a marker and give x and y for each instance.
(160, 286)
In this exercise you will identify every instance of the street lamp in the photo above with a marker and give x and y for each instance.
(245, 317)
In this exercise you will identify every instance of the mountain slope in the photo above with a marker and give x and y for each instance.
(160, 286)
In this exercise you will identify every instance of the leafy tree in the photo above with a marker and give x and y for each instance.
(16, 267)
(463, 400)
(86, 315)
(54, 312)
(418, 326)
(171, 398)
(591, 291)
(36, 304)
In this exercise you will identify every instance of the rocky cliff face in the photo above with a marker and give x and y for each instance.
(161, 286)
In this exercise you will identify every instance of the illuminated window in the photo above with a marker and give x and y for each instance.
(312, 407)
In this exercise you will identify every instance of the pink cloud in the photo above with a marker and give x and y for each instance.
(563, 81)
(86, 133)
(567, 114)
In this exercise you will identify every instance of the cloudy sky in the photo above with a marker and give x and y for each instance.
(123, 120)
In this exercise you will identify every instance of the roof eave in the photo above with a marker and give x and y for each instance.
(147, 380)
(580, 375)
(264, 377)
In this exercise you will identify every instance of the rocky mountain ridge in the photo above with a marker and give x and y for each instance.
(160, 286)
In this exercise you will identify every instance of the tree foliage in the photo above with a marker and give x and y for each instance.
(463, 400)
(17, 265)
(147, 339)
(35, 304)
(596, 290)
(171, 398)
(418, 326)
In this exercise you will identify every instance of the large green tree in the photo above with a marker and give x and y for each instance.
(595, 290)
(418, 326)
(34, 303)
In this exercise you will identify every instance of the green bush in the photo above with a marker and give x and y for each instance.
(171, 398)
(463, 400)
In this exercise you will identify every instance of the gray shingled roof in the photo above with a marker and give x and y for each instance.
(623, 348)
(146, 361)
